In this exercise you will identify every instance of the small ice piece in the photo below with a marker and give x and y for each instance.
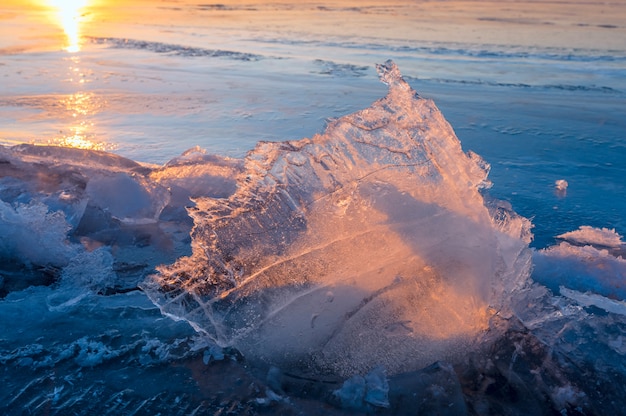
(561, 184)
(352, 393)
(270, 397)
(92, 353)
(34, 235)
(214, 353)
(566, 396)
(597, 237)
(560, 187)
(593, 299)
(90, 269)
(274, 380)
(129, 198)
(359, 393)
(377, 388)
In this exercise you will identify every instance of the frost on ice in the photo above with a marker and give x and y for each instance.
(370, 244)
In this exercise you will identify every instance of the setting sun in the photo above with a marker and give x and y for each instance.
(70, 18)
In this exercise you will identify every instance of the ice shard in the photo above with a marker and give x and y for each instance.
(370, 244)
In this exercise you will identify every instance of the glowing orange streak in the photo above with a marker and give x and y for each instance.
(69, 18)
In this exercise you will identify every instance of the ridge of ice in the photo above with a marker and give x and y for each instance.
(587, 235)
(583, 268)
(593, 299)
(58, 205)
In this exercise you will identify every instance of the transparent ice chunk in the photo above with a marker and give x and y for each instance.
(373, 237)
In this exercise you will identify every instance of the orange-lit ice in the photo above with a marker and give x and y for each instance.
(369, 244)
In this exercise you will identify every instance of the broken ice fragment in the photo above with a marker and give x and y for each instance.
(383, 211)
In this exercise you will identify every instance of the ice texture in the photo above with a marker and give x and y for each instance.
(586, 235)
(589, 260)
(97, 219)
(365, 393)
(370, 244)
(568, 349)
(33, 234)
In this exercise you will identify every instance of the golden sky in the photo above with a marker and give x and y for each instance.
(572, 23)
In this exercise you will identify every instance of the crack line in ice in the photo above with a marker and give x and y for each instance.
(333, 192)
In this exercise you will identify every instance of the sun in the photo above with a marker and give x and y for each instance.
(69, 16)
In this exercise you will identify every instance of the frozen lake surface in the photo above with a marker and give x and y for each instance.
(537, 89)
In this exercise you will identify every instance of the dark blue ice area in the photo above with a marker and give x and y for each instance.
(534, 137)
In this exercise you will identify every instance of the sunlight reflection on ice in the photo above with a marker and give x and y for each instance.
(79, 110)
(79, 134)
(70, 17)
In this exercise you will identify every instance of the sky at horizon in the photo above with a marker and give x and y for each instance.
(589, 24)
